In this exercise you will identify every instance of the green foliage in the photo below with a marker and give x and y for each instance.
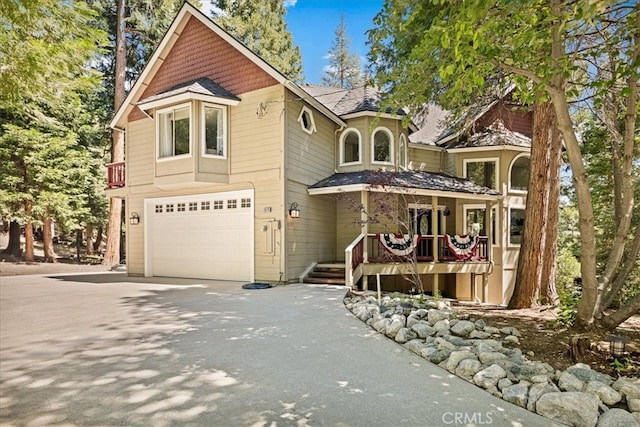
(49, 161)
(567, 269)
(45, 46)
(344, 66)
(260, 25)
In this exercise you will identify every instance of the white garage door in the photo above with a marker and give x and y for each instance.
(208, 236)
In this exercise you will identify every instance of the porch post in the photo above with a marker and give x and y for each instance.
(434, 231)
(434, 226)
(364, 199)
(489, 227)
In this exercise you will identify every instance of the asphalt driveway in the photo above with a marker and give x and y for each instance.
(110, 350)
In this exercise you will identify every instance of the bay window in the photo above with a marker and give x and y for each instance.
(174, 131)
(214, 131)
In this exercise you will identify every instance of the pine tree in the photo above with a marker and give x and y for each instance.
(136, 27)
(43, 85)
(260, 25)
(344, 69)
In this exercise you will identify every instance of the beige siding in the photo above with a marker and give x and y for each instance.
(255, 151)
(426, 159)
(140, 152)
(309, 158)
(347, 225)
(256, 141)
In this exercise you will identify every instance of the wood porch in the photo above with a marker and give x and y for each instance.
(369, 256)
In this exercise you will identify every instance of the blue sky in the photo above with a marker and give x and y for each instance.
(313, 22)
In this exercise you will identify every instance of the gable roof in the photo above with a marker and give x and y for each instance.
(495, 135)
(203, 88)
(174, 31)
(427, 183)
(345, 102)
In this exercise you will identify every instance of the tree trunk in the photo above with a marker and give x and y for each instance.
(98, 242)
(13, 246)
(79, 245)
(28, 233)
(535, 277)
(112, 252)
(89, 239)
(47, 240)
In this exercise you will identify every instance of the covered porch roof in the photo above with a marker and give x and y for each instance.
(414, 182)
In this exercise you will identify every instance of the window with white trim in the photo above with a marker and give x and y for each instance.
(306, 120)
(214, 130)
(402, 152)
(421, 221)
(350, 147)
(516, 225)
(475, 221)
(519, 173)
(482, 172)
(382, 151)
(174, 131)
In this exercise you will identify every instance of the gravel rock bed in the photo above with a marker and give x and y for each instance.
(489, 357)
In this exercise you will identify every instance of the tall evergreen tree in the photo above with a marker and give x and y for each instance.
(135, 28)
(557, 52)
(344, 70)
(260, 25)
(44, 82)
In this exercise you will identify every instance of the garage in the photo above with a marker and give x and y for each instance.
(204, 236)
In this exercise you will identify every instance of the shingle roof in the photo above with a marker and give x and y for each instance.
(495, 135)
(347, 101)
(202, 86)
(433, 125)
(407, 179)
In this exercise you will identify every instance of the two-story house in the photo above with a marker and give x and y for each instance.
(234, 172)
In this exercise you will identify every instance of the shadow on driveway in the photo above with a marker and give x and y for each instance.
(174, 352)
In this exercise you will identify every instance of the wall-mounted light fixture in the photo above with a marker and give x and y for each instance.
(294, 212)
(446, 211)
(134, 219)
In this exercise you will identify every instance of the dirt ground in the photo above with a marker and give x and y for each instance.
(549, 341)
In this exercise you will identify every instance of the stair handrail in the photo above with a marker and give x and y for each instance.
(353, 257)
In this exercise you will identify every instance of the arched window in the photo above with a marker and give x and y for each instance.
(519, 174)
(382, 146)
(402, 152)
(350, 147)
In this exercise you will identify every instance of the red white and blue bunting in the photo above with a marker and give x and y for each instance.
(463, 247)
(399, 244)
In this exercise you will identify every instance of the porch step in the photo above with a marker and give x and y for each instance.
(329, 274)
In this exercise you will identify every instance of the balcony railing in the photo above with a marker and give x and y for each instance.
(115, 175)
(424, 250)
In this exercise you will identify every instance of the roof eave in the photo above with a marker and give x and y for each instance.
(402, 190)
(187, 96)
(172, 34)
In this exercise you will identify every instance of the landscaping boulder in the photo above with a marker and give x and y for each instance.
(455, 357)
(571, 408)
(516, 393)
(434, 316)
(536, 391)
(569, 382)
(423, 329)
(489, 377)
(606, 394)
(467, 368)
(463, 328)
(617, 418)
